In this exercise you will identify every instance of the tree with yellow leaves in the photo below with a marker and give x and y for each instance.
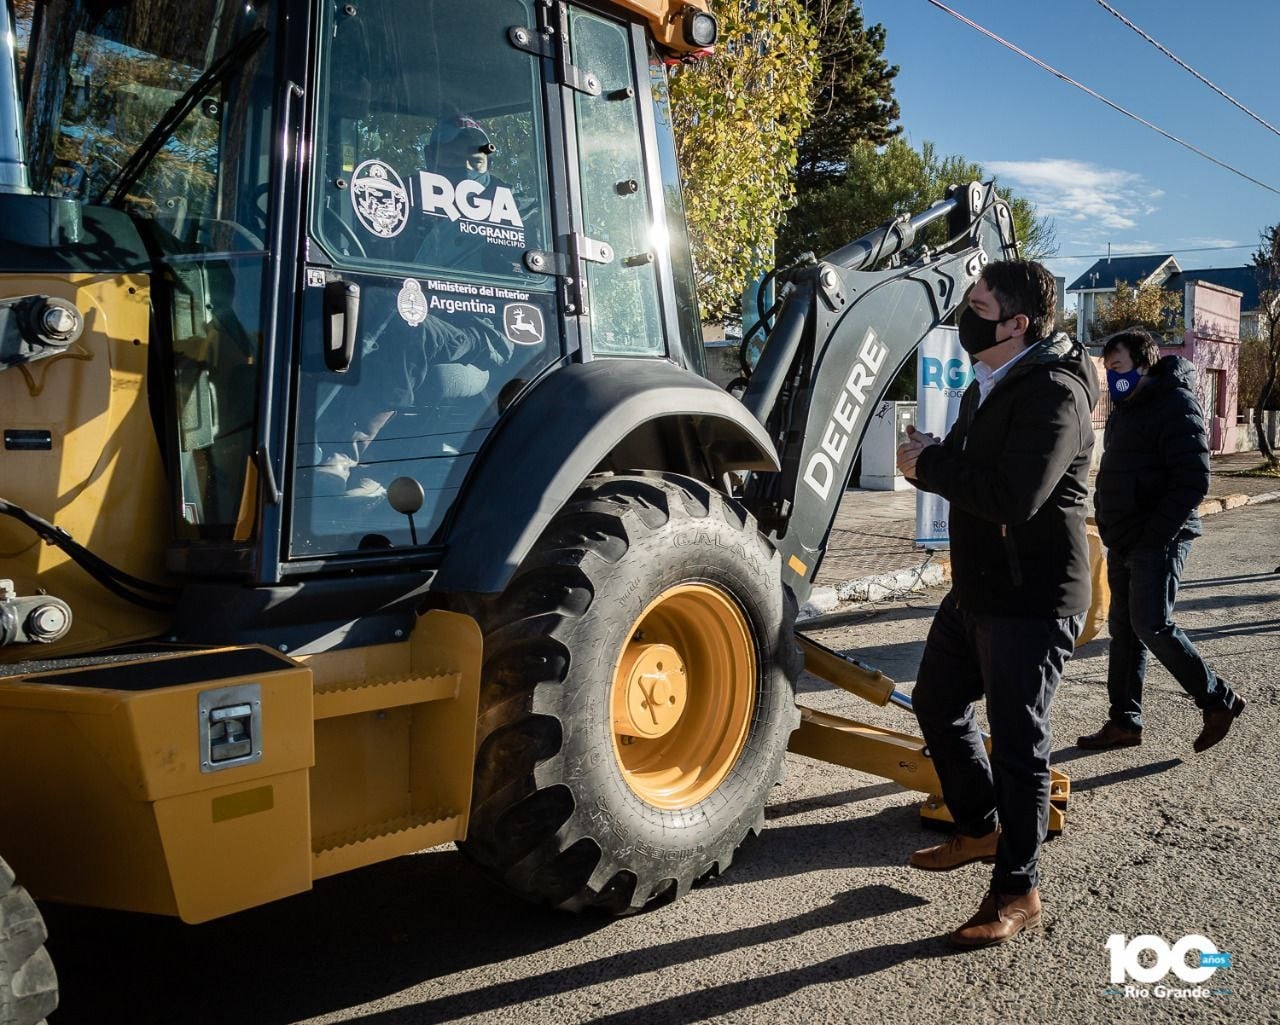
(1158, 310)
(738, 116)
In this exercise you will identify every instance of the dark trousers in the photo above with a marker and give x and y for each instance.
(1016, 664)
(1144, 586)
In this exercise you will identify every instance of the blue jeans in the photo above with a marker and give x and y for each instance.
(1144, 586)
(1016, 664)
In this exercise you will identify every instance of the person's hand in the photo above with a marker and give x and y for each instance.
(359, 442)
(909, 451)
(360, 438)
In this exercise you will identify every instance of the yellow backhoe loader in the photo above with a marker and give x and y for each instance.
(361, 489)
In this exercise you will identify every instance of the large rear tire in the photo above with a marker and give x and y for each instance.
(28, 985)
(637, 700)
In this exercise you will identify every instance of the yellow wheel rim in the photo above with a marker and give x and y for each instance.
(683, 695)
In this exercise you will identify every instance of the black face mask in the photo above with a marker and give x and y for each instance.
(977, 334)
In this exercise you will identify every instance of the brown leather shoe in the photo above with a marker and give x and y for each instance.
(1108, 737)
(958, 850)
(1000, 916)
(1217, 722)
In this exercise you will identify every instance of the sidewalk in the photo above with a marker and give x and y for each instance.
(872, 551)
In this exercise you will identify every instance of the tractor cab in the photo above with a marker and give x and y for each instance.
(367, 230)
(440, 141)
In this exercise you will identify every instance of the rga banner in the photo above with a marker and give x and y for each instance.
(943, 372)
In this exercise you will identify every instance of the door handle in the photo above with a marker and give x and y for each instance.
(341, 319)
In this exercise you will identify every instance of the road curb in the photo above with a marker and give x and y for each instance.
(932, 570)
(1236, 500)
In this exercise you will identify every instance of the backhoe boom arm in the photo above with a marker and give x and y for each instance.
(841, 337)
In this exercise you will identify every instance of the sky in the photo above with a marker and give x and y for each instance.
(1101, 177)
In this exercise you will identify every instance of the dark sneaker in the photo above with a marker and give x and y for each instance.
(1217, 723)
(1108, 737)
(958, 850)
(1000, 917)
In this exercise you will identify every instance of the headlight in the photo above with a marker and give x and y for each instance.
(700, 28)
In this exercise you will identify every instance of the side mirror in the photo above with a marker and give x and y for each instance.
(406, 497)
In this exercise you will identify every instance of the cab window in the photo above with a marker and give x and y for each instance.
(622, 293)
(431, 141)
(164, 110)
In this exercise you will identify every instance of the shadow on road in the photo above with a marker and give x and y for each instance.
(866, 841)
(1248, 578)
(376, 932)
(1212, 602)
(353, 939)
(1097, 646)
(852, 906)
(1264, 626)
(718, 1001)
(1123, 775)
(836, 800)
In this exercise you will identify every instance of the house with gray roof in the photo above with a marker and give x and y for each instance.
(1101, 279)
(1162, 269)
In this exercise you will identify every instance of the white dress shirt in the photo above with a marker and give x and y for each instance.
(988, 379)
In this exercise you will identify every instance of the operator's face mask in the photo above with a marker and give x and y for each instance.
(977, 334)
(1121, 385)
(478, 168)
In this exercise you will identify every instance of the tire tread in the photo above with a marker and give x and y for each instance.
(517, 833)
(28, 982)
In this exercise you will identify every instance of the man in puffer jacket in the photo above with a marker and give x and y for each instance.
(1014, 468)
(1154, 473)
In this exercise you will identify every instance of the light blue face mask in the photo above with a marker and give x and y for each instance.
(1120, 385)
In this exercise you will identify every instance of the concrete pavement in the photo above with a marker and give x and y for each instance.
(872, 553)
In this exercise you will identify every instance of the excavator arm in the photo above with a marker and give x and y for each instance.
(842, 333)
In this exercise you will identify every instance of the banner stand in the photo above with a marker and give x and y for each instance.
(943, 371)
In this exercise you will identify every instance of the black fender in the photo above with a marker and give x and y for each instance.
(614, 414)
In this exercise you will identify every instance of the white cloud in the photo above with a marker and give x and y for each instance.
(1139, 247)
(1215, 243)
(1080, 193)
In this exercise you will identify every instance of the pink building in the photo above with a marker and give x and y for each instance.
(1212, 342)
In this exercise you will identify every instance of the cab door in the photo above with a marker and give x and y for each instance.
(422, 318)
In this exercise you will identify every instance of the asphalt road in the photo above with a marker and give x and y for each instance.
(818, 920)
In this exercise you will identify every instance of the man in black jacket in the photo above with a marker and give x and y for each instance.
(1014, 468)
(1154, 473)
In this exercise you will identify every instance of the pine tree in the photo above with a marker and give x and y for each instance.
(852, 92)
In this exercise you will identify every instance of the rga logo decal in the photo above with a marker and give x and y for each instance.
(1127, 963)
(380, 199)
(411, 303)
(522, 324)
(949, 377)
(495, 218)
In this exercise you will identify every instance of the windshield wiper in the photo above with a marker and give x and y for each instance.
(155, 141)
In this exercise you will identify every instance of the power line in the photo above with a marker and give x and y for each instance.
(1187, 67)
(1154, 249)
(1098, 96)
